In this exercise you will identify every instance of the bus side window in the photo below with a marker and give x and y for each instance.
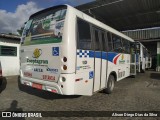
(97, 41)
(138, 48)
(83, 35)
(104, 43)
(110, 45)
(126, 46)
(132, 48)
(144, 52)
(117, 44)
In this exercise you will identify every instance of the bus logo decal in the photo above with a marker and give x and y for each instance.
(122, 57)
(91, 74)
(55, 51)
(116, 58)
(37, 53)
(122, 61)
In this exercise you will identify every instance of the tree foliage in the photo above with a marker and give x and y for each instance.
(20, 31)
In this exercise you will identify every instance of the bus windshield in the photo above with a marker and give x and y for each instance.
(46, 27)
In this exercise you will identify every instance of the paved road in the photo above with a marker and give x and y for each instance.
(131, 94)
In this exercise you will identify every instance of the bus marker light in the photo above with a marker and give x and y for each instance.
(27, 83)
(63, 79)
(64, 67)
(51, 90)
(79, 79)
(54, 91)
(64, 59)
(86, 81)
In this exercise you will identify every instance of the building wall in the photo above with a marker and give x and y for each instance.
(10, 64)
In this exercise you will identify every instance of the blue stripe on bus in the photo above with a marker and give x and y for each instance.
(111, 56)
(104, 55)
(97, 54)
(91, 54)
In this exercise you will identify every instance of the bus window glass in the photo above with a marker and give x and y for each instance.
(144, 52)
(132, 48)
(97, 44)
(126, 46)
(104, 42)
(84, 35)
(44, 28)
(63, 14)
(138, 48)
(117, 44)
(147, 53)
(109, 41)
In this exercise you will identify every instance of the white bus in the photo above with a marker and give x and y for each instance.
(89, 57)
(143, 57)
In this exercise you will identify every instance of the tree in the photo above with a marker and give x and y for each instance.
(20, 31)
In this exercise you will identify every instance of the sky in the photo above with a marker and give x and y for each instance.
(14, 13)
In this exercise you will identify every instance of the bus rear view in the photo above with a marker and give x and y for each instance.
(41, 49)
(67, 52)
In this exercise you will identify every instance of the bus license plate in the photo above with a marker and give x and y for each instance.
(38, 86)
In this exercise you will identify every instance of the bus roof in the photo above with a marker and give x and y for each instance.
(102, 25)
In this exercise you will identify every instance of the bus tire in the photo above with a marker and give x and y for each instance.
(110, 84)
(1, 80)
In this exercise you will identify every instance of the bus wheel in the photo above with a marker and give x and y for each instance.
(0, 82)
(110, 84)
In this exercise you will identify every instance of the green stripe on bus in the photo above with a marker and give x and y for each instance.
(43, 41)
